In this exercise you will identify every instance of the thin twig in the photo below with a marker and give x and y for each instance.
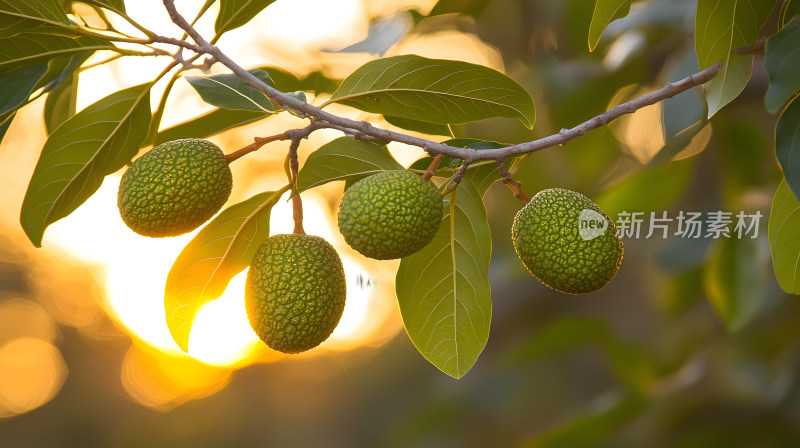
(90, 33)
(759, 45)
(255, 146)
(291, 134)
(103, 62)
(127, 52)
(433, 167)
(136, 25)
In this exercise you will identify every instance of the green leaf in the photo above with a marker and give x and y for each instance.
(61, 103)
(16, 86)
(789, 9)
(229, 91)
(59, 68)
(203, 9)
(96, 142)
(419, 126)
(212, 123)
(49, 11)
(605, 12)
(678, 142)
(39, 16)
(26, 49)
(685, 109)
(784, 238)
(343, 159)
(434, 91)
(222, 249)
(118, 6)
(235, 13)
(787, 144)
(722, 26)
(443, 290)
(315, 82)
(783, 65)
(465, 7)
(61, 80)
(735, 280)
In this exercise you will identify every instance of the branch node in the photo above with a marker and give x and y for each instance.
(455, 180)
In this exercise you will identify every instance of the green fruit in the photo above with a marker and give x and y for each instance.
(567, 242)
(174, 188)
(390, 215)
(295, 291)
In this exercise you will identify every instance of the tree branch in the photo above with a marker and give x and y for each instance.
(434, 148)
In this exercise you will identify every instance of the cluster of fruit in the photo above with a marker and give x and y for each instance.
(295, 289)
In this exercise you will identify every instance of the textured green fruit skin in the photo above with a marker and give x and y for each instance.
(390, 214)
(295, 292)
(546, 237)
(174, 188)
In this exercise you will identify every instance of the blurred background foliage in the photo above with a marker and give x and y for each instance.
(676, 352)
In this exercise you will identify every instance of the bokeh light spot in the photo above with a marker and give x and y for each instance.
(32, 372)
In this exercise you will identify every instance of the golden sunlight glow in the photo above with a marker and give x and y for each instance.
(31, 374)
(221, 334)
(31, 367)
(23, 318)
(642, 133)
(162, 381)
(135, 267)
(306, 23)
(132, 270)
(696, 144)
(452, 45)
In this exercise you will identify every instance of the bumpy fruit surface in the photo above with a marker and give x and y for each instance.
(390, 214)
(567, 242)
(174, 188)
(295, 292)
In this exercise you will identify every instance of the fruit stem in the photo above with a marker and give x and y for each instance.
(433, 167)
(297, 202)
(514, 185)
(297, 212)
